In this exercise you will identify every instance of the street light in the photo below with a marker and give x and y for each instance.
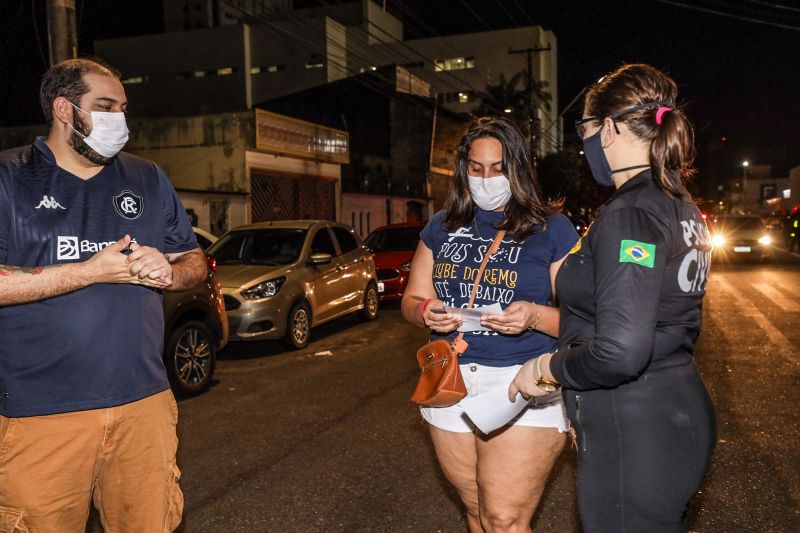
(745, 164)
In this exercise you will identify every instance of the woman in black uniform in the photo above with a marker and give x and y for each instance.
(631, 293)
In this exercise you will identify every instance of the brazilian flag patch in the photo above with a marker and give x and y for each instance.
(641, 253)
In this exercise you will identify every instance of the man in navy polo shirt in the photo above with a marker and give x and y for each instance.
(88, 239)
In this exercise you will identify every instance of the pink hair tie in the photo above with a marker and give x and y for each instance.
(660, 113)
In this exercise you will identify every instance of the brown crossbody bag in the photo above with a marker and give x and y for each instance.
(440, 383)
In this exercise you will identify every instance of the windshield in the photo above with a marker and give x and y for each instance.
(727, 224)
(269, 246)
(394, 240)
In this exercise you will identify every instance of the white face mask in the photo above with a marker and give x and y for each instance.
(109, 132)
(490, 193)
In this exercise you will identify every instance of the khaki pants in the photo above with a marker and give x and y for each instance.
(121, 457)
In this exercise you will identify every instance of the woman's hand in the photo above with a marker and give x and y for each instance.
(524, 380)
(515, 319)
(440, 322)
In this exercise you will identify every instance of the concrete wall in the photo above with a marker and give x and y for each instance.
(199, 202)
(200, 153)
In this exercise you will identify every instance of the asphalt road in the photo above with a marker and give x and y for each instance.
(325, 439)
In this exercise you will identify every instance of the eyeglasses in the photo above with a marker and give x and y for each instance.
(580, 126)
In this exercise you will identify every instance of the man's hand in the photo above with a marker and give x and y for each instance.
(149, 266)
(109, 265)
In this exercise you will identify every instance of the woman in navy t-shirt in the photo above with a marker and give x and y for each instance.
(500, 477)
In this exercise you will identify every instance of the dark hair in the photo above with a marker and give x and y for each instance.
(671, 142)
(66, 79)
(525, 209)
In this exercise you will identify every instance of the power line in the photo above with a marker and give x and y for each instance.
(774, 5)
(730, 15)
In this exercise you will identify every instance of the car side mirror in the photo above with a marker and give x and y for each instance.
(320, 259)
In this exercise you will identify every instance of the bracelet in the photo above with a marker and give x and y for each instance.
(539, 379)
(535, 324)
(422, 308)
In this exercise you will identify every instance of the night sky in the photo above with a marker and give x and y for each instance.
(738, 77)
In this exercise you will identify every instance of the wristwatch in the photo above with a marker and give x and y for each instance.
(542, 381)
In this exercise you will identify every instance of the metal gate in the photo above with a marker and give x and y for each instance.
(283, 198)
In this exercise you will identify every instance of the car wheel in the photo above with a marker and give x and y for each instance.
(370, 310)
(298, 327)
(190, 356)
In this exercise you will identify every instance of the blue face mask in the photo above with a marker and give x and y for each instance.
(596, 157)
(598, 162)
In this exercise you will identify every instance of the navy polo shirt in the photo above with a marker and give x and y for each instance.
(520, 270)
(99, 346)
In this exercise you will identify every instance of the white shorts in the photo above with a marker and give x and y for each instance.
(480, 379)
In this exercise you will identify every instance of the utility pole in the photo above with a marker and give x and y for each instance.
(533, 123)
(61, 30)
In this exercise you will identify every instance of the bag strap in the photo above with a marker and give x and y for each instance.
(459, 344)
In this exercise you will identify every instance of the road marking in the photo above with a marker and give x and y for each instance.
(778, 341)
(777, 297)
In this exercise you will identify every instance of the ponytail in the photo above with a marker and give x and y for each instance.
(672, 151)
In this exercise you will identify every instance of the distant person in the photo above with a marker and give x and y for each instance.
(793, 231)
(631, 295)
(88, 238)
(499, 477)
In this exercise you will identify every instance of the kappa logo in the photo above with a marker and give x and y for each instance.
(49, 202)
(67, 248)
(128, 205)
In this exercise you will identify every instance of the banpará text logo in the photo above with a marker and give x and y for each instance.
(128, 205)
(70, 247)
(49, 202)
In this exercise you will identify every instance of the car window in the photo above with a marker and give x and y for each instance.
(271, 246)
(202, 241)
(347, 242)
(322, 243)
(394, 240)
(739, 224)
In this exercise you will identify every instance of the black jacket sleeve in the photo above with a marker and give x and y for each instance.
(630, 248)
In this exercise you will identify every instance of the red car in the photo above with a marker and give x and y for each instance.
(393, 247)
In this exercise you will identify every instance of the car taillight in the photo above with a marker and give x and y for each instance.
(212, 263)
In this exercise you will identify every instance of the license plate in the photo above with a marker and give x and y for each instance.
(381, 286)
(741, 248)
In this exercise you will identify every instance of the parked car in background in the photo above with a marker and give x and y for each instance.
(280, 279)
(204, 238)
(393, 247)
(740, 236)
(195, 329)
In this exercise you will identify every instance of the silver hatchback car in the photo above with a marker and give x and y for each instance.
(280, 279)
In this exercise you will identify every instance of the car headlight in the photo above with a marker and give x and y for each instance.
(717, 241)
(406, 266)
(766, 240)
(264, 289)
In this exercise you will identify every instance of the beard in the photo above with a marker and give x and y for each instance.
(81, 148)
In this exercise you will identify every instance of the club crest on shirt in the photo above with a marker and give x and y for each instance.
(128, 205)
(640, 253)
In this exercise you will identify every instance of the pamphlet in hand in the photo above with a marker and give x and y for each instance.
(492, 410)
(472, 316)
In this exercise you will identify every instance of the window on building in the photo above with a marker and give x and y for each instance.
(454, 63)
(226, 71)
(276, 68)
(314, 64)
(129, 81)
(255, 70)
(199, 73)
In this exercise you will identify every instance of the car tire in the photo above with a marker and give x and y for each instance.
(190, 355)
(298, 327)
(370, 310)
